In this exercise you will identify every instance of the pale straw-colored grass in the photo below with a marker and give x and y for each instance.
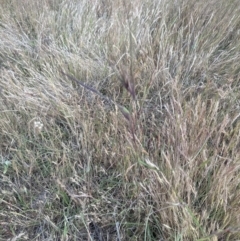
(119, 120)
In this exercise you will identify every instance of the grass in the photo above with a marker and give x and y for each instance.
(120, 120)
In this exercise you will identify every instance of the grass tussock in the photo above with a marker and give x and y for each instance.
(120, 120)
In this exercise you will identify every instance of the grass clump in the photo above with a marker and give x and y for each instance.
(119, 121)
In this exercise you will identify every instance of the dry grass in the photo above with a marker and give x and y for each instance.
(120, 121)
